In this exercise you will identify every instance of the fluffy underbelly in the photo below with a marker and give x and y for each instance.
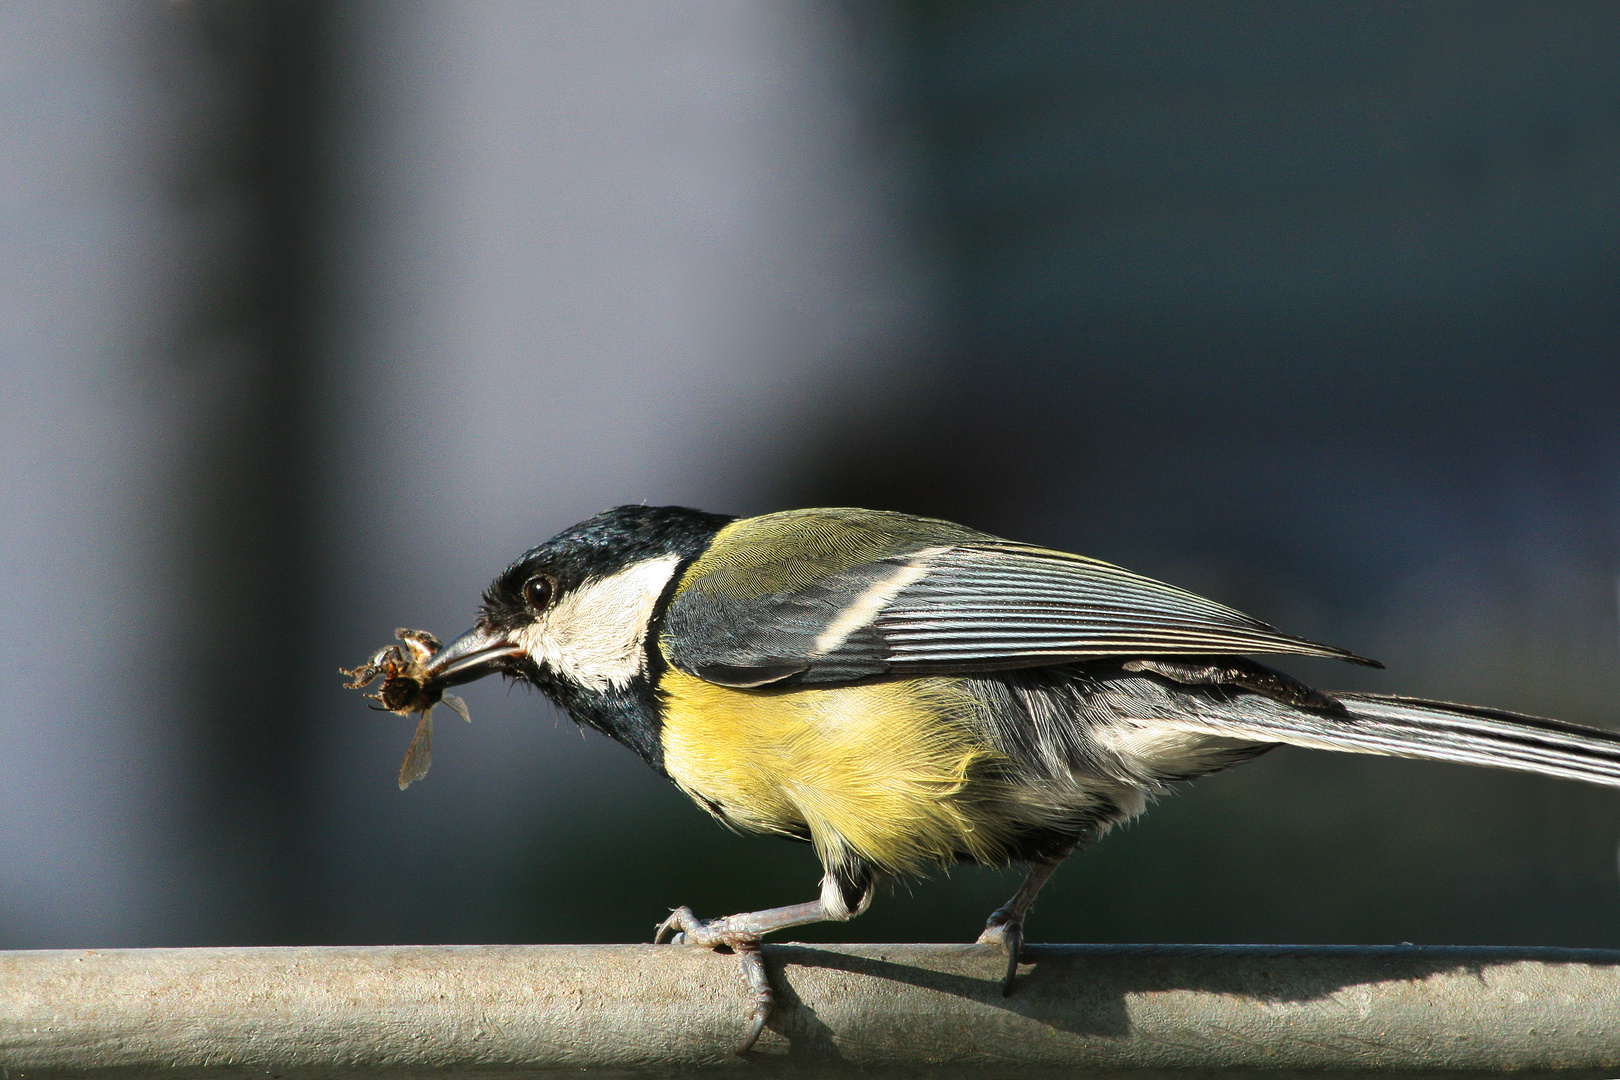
(898, 774)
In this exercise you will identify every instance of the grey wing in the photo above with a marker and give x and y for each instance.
(961, 608)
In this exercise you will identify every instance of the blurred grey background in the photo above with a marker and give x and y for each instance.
(315, 314)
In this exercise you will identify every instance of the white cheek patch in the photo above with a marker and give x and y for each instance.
(595, 636)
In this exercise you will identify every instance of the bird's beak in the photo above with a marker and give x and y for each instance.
(473, 655)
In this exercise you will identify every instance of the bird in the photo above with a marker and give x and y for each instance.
(904, 692)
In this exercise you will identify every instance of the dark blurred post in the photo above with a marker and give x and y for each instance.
(246, 562)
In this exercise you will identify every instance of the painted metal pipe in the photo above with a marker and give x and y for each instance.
(499, 1010)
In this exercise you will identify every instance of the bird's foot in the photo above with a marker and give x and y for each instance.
(686, 928)
(1006, 929)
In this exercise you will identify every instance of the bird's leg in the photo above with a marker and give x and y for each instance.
(730, 929)
(845, 893)
(1005, 927)
(741, 934)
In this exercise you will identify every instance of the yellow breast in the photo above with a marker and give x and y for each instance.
(896, 773)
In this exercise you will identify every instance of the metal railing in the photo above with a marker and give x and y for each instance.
(504, 1010)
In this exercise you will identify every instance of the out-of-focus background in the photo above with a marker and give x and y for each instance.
(313, 315)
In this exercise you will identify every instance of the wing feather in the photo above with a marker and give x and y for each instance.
(972, 603)
(1001, 604)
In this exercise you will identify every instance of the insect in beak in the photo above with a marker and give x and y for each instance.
(414, 676)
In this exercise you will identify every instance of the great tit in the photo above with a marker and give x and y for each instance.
(903, 692)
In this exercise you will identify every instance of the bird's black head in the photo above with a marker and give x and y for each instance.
(572, 614)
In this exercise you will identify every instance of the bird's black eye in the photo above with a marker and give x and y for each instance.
(537, 592)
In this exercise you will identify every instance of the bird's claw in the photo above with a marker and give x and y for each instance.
(752, 962)
(1007, 931)
(681, 921)
(688, 929)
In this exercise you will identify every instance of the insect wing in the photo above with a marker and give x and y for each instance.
(457, 706)
(420, 755)
(418, 644)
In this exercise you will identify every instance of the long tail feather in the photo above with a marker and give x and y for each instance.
(1439, 731)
